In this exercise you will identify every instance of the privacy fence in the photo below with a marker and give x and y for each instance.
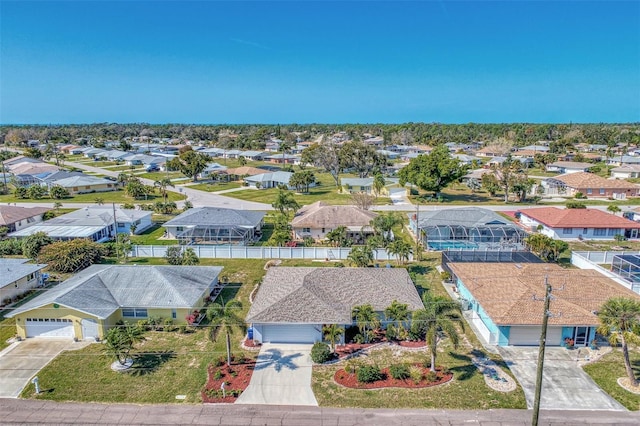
(248, 252)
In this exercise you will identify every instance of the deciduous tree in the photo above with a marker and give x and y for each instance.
(432, 172)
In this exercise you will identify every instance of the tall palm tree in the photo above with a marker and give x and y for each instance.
(332, 333)
(383, 223)
(436, 321)
(224, 317)
(401, 250)
(620, 320)
(366, 319)
(378, 184)
(361, 257)
(162, 186)
(397, 313)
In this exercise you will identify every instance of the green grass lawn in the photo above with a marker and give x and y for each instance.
(7, 331)
(217, 186)
(606, 371)
(118, 197)
(151, 237)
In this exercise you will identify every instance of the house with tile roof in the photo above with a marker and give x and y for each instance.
(577, 224)
(293, 303)
(318, 219)
(16, 218)
(590, 185)
(18, 277)
(86, 305)
(504, 301)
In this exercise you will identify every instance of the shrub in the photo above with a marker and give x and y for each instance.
(575, 205)
(339, 265)
(320, 353)
(358, 338)
(350, 366)
(48, 215)
(168, 324)
(579, 195)
(128, 206)
(415, 373)
(10, 247)
(445, 276)
(431, 376)
(217, 375)
(399, 371)
(369, 374)
(182, 328)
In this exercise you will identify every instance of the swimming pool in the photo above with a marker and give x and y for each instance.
(448, 245)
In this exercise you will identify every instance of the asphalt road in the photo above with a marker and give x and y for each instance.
(14, 411)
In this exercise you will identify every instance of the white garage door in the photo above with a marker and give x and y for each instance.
(291, 333)
(55, 327)
(530, 336)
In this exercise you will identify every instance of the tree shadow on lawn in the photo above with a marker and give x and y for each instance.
(147, 363)
(466, 371)
(419, 269)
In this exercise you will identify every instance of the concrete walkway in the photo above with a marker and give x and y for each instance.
(282, 377)
(20, 362)
(565, 386)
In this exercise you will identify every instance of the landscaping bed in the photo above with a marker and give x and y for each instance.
(350, 380)
(235, 377)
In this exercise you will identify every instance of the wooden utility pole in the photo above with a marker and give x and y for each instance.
(543, 338)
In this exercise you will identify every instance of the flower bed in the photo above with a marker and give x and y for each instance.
(350, 348)
(236, 379)
(412, 343)
(350, 380)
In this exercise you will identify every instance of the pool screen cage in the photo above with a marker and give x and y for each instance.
(216, 235)
(475, 234)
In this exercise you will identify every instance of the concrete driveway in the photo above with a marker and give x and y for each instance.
(282, 377)
(21, 361)
(565, 386)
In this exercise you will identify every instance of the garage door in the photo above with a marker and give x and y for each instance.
(530, 336)
(292, 333)
(54, 327)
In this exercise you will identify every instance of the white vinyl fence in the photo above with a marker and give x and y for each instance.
(249, 252)
(594, 260)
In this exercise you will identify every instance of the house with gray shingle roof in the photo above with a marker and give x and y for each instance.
(17, 278)
(88, 304)
(293, 303)
(213, 225)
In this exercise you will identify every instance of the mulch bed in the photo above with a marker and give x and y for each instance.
(249, 343)
(350, 381)
(345, 350)
(237, 378)
(412, 344)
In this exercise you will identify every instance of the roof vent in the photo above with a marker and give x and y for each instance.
(517, 265)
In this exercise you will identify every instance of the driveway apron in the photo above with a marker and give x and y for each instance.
(565, 385)
(282, 376)
(23, 361)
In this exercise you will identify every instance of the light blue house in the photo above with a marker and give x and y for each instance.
(505, 301)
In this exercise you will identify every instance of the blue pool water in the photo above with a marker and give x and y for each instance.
(448, 245)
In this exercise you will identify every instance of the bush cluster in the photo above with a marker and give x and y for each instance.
(399, 371)
(320, 353)
(369, 374)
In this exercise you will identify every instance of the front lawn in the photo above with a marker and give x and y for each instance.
(7, 331)
(606, 371)
(118, 197)
(216, 186)
(151, 237)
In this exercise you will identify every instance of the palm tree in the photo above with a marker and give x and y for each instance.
(189, 257)
(397, 313)
(436, 321)
(224, 317)
(285, 202)
(401, 250)
(382, 225)
(619, 320)
(378, 183)
(332, 333)
(613, 209)
(162, 186)
(361, 257)
(366, 320)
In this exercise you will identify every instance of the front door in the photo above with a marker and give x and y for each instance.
(581, 336)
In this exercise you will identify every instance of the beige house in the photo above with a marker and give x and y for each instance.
(18, 277)
(318, 219)
(88, 304)
(85, 184)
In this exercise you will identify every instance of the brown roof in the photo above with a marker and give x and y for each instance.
(510, 293)
(33, 168)
(590, 180)
(578, 218)
(245, 170)
(322, 215)
(13, 214)
(327, 295)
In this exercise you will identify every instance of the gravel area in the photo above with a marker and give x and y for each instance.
(494, 376)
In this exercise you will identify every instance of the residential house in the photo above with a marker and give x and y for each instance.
(317, 219)
(590, 185)
(213, 152)
(254, 155)
(489, 151)
(88, 304)
(465, 159)
(85, 184)
(626, 172)
(577, 224)
(18, 278)
(352, 185)
(283, 159)
(15, 218)
(213, 225)
(623, 160)
(539, 149)
(95, 223)
(270, 180)
(496, 161)
(50, 179)
(504, 301)
(211, 170)
(292, 304)
(391, 155)
(244, 171)
(70, 149)
(568, 167)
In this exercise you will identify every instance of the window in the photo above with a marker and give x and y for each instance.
(599, 232)
(134, 312)
(31, 276)
(601, 191)
(307, 230)
(585, 230)
(75, 188)
(87, 187)
(120, 225)
(174, 314)
(589, 191)
(322, 230)
(567, 230)
(613, 231)
(180, 228)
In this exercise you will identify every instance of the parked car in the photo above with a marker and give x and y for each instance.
(152, 168)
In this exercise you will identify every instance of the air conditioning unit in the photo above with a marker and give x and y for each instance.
(465, 304)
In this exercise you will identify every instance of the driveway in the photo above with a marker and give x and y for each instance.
(565, 386)
(282, 377)
(21, 361)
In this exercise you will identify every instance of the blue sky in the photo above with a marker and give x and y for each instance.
(329, 62)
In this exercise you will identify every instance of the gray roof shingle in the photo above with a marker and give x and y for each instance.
(327, 295)
(217, 216)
